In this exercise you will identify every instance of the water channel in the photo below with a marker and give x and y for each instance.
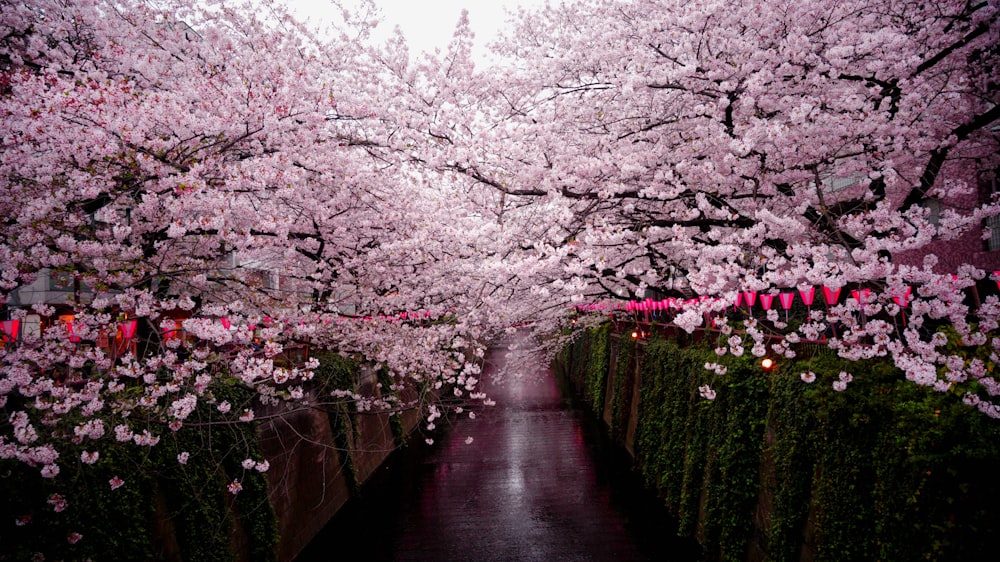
(538, 482)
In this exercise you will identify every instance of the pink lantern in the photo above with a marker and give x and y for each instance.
(225, 323)
(861, 296)
(831, 295)
(750, 297)
(739, 300)
(997, 275)
(904, 299)
(766, 300)
(10, 329)
(171, 330)
(808, 295)
(128, 329)
(67, 319)
(786, 300)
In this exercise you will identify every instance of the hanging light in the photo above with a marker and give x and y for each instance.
(767, 363)
(10, 329)
(128, 329)
(67, 319)
(786, 300)
(831, 295)
(807, 295)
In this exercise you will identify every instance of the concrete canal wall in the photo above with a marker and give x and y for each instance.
(319, 458)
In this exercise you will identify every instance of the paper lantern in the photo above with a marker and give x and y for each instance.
(904, 299)
(786, 300)
(128, 329)
(831, 295)
(10, 329)
(861, 296)
(171, 330)
(808, 295)
(766, 300)
(68, 320)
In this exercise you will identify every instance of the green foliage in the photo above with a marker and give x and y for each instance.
(664, 410)
(738, 414)
(793, 454)
(118, 521)
(399, 435)
(884, 470)
(621, 400)
(187, 501)
(340, 373)
(597, 364)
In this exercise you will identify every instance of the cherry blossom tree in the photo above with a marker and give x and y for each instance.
(219, 188)
(232, 184)
(711, 149)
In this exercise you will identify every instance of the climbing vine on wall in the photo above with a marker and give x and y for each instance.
(130, 506)
(622, 391)
(882, 470)
(597, 367)
(337, 372)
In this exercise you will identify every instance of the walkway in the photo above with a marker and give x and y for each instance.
(535, 484)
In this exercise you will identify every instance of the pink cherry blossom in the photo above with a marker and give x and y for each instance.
(58, 502)
(706, 392)
(403, 212)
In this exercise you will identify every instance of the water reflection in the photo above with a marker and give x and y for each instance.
(537, 483)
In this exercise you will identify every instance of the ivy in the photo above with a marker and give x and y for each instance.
(159, 498)
(883, 470)
(399, 435)
(624, 378)
(598, 360)
(336, 372)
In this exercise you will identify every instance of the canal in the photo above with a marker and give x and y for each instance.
(537, 482)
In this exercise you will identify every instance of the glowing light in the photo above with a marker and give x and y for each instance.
(767, 363)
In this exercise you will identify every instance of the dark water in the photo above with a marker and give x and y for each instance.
(537, 483)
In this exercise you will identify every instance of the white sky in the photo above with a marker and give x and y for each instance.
(429, 24)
